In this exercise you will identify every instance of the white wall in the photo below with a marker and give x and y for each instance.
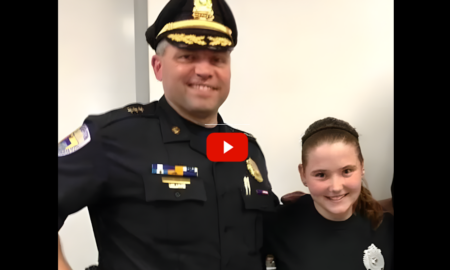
(102, 65)
(298, 61)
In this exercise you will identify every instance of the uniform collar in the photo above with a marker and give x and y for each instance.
(170, 119)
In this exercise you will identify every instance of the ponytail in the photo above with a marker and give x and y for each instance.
(368, 207)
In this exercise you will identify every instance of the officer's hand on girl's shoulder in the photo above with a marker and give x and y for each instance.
(387, 205)
(292, 197)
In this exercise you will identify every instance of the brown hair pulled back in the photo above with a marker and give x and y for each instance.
(332, 130)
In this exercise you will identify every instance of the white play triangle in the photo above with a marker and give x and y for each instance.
(226, 147)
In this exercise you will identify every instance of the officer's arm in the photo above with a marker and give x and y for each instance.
(82, 174)
(62, 263)
(387, 205)
(292, 197)
(268, 220)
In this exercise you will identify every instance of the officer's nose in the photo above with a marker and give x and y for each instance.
(204, 70)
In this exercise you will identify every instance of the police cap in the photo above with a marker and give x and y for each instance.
(195, 24)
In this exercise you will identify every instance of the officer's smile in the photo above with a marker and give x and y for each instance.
(202, 86)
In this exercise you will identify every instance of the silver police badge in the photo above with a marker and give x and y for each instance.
(373, 260)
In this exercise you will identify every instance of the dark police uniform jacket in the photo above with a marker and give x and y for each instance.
(138, 221)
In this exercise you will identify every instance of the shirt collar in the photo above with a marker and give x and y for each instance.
(171, 121)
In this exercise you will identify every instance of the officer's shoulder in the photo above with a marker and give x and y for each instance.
(130, 111)
(388, 218)
(251, 139)
(249, 136)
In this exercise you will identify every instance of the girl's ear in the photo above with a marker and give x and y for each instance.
(302, 174)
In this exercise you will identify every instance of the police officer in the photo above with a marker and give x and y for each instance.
(155, 200)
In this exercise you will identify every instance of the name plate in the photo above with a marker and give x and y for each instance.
(177, 186)
(176, 180)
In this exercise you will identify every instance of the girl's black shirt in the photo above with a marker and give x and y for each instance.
(302, 239)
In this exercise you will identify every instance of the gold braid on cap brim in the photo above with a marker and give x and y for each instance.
(188, 39)
(219, 41)
(200, 40)
(199, 24)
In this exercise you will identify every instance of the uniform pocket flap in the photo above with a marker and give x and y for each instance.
(255, 201)
(156, 190)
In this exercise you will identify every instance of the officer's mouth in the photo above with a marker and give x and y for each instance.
(202, 87)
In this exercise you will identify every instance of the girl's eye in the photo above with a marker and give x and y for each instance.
(320, 175)
(347, 171)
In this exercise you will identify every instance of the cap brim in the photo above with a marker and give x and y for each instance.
(197, 39)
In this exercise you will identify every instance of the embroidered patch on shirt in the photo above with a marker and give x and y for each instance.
(373, 259)
(74, 141)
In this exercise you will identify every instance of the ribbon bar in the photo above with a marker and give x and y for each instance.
(174, 170)
(262, 192)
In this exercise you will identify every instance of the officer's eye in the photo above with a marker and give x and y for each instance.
(186, 57)
(219, 60)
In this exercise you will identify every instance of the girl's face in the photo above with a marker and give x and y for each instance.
(333, 175)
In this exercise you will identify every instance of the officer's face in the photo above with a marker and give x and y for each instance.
(333, 175)
(195, 82)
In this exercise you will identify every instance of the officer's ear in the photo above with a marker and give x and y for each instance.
(302, 174)
(156, 64)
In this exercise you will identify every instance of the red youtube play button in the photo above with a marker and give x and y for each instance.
(227, 147)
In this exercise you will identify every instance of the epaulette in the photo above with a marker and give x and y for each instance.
(134, 108)
(139, 109)
(130, 111)
(250, 136)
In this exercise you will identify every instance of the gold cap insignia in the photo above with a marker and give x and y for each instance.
(202, 18)
(203, 10)
(253, 169)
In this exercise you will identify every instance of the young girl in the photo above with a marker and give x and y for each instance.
(339, 225)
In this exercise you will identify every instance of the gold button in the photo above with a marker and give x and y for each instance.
(176, 130)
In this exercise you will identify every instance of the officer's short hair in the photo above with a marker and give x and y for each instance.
(161, 48)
